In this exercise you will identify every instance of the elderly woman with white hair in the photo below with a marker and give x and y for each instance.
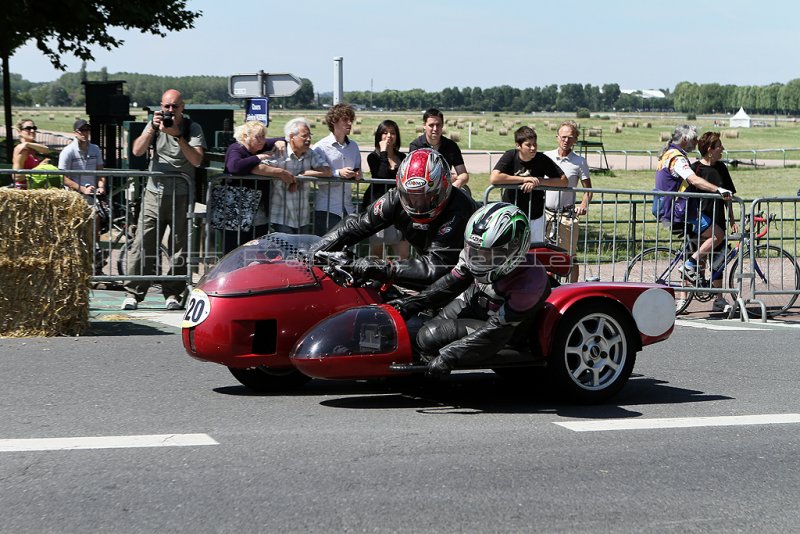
(248, 156)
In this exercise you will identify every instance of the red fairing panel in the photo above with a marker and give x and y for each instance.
(355, 344)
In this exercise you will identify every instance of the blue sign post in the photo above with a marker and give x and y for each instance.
(257, 110)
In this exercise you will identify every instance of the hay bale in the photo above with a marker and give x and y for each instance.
(358, 120)
(419, 129)
(730, 134)
(648, 125)
(489, 128)
(46, 260)
(502, 131)
(617, 130)
(356, 131)
(410, 121)
(594, 132)
(665, 136)
(455, 136)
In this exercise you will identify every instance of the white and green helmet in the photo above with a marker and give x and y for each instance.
(496, 240)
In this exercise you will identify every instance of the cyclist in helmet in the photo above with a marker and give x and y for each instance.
(495, 287)
(430, 213)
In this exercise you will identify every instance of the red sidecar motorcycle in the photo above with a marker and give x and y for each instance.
(276, 321)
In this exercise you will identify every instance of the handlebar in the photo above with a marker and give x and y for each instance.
(334, 262)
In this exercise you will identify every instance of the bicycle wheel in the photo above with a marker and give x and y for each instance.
(774, 270)
(659, 265)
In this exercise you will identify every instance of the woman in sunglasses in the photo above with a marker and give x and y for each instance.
(28, 153)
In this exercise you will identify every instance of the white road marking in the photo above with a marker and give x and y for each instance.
(709, 326)
(106, 442)
(169, 318)
(721, 325)
(680, 422)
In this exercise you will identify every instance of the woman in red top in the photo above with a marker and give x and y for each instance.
(28, 153)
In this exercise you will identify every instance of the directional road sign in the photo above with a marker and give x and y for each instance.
(261, 84)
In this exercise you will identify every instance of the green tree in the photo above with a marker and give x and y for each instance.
(60, 27)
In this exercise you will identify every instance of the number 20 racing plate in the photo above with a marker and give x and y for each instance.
(197, 309)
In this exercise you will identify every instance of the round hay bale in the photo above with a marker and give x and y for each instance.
(356, 131)
(46, 258)
(489, 128)
(617, 130)
(419, 129)
(502, 131)
(455, 136)
(730, 134)
(648, 125)
(358, 120)
(665, 136)
(410, 121)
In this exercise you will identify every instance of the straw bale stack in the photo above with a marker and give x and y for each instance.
(45, 261)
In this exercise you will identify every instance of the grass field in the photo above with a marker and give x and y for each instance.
(495, 131)
(634, 135)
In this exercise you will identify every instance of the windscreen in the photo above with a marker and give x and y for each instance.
(272, 262)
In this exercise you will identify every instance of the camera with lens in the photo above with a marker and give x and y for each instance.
(167, 119)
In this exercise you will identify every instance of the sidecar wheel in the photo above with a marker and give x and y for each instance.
(593, 354)
(266, 380)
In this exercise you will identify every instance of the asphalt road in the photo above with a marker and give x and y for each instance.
(471, 454)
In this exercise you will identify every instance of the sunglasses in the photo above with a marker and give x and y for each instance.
(82, 130)
(31, 129)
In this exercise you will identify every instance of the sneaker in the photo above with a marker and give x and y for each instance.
(679, 303)
(720, 305)
(173, 303)
(129, 304)
(689, 271)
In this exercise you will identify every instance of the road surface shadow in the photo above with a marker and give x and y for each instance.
(476, 393)
(126, 328)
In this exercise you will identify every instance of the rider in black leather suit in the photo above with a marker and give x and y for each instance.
(430, 213)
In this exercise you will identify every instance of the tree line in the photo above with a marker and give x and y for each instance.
(686, 97)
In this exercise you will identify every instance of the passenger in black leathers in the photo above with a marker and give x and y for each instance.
(437, 243)
(490, 298)
(430, 213)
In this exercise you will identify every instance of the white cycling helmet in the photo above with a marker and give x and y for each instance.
(424, 184)
(496, 240)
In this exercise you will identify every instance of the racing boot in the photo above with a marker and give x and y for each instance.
(439, 367)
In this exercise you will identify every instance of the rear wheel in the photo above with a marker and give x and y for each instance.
(267, 380)
(774, 270)
(659, 265)
(593, 354)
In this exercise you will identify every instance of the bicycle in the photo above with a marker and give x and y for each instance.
(773, 269)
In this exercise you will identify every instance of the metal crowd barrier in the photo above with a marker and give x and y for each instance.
(774, 281)
(114, 231)
(620, 239)
(235, 217)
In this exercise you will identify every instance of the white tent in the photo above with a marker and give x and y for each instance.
(740, 120)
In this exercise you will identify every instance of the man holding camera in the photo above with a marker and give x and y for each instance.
(177, 145)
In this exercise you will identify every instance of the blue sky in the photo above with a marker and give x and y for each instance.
(444, 43)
